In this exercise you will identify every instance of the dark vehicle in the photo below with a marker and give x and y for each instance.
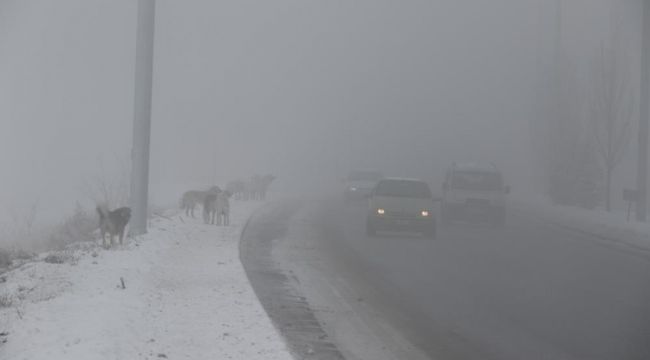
(359, 184)
(401, 205)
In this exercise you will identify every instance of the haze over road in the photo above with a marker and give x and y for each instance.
(529, 291)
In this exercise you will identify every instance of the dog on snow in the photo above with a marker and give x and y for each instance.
(113, 223)
(216, 208)
(191, 198)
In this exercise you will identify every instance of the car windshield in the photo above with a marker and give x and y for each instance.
(403, 188)
(476, 180)
(364, 176)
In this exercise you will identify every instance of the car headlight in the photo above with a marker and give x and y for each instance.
(381, 211)
(353, 189)
(424, 213)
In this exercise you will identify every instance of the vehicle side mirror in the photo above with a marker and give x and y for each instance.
(506, 189)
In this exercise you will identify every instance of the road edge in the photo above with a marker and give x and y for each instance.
(288, 309)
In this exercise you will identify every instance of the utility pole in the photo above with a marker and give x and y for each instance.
(642, 167)
(142, 116)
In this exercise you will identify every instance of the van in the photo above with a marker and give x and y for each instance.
(474, 192)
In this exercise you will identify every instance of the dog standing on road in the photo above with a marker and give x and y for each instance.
(113, 222)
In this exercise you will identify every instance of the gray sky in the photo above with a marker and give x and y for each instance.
(302, 89)
(304, 86)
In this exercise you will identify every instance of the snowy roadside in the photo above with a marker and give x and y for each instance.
(186, 296)
(612, 227)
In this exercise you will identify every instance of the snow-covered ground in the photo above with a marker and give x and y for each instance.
(609, 226)
(186, 296)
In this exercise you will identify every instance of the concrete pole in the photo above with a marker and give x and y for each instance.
(142, 116)
(642, 166)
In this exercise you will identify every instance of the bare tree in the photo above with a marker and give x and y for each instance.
(109, 188)
(20, 231)
(563, 132)
(612, 111)
(563, 142)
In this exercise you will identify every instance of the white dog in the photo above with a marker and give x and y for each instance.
(223, 208)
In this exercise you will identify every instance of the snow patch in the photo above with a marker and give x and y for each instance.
(185, 295)
(610, 226)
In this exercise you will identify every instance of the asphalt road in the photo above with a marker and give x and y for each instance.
(528, 291)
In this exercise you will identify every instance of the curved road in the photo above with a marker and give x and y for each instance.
(529, 291)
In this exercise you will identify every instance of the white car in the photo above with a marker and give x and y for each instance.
(401, 205)
(359, 184)
(474, 191)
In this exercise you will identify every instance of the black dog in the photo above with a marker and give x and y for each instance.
(113, 222)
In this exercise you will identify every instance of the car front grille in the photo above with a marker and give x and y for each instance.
(401, 214)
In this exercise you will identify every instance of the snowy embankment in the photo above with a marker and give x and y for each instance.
(612, 227)
(185, 296)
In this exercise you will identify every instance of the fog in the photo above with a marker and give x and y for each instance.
(304, 90)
